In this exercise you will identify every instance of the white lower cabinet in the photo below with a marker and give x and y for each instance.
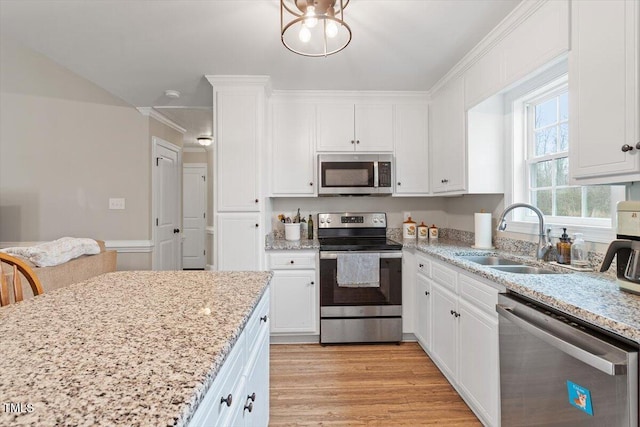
(294, 293)
(457, 325)
(239, 395)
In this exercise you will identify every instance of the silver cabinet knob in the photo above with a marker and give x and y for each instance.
(627, 147)
(638, 146)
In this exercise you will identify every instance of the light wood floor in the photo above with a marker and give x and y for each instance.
(357, 385)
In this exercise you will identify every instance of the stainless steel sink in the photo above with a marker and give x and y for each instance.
(489, 260)
(524, 269)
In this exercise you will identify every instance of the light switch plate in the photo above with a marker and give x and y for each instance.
(116, 203)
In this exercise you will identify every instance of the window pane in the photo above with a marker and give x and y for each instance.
(598, 202)
(541, 174)
(569, 201)
(563, 137)
(564, 106)
(562, 171)
(546, 113)
(542, 200)
(546, 141)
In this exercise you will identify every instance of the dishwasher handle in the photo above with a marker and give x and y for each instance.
(599, 362)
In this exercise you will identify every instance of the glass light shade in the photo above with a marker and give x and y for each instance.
(205, 140)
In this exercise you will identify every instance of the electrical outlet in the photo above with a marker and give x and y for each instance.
(406, 215)
(116, 203)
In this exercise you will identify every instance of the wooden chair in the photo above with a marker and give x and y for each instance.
(18, 266)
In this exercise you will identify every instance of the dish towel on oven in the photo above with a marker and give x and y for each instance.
(358, 270)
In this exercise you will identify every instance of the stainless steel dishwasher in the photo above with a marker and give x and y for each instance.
(556, 371)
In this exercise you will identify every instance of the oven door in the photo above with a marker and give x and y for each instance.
(384, 300)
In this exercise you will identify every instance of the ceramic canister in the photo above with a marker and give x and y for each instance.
(423, 231)
(409, 229)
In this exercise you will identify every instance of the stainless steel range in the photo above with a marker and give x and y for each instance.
(360, 279)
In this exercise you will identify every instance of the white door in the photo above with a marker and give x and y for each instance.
(166, 205)
(194, 208)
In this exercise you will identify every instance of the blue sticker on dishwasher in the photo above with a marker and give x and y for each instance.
(580, 397)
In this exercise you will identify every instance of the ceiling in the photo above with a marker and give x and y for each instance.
(137, 49)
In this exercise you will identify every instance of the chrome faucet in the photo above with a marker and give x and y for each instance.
(544, 245)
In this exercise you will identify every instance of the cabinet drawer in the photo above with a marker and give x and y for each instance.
(229, 380)
(423, 265)
(259, 320)
(292, 260)
(444, 276)
(480, 295)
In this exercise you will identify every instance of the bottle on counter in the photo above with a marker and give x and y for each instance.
(579, 252)
(563, 248)
(433, 232)
(310, 228)
(423, 231)
(297, 217)
(409, 229)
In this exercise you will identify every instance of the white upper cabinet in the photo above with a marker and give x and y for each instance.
(412, 150)
(541, 37)
(239, 122)
(603, 92)
(447, 119)
(292, 162)
(345, 126)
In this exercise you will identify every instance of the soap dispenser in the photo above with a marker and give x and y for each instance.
(563, 248)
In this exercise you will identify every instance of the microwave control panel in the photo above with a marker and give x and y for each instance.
(384, 174)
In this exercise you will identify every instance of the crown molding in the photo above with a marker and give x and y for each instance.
(231, 81)
(151, 112)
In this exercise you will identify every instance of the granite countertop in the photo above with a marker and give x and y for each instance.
(592, 297)
(123, 348)
(278, 243)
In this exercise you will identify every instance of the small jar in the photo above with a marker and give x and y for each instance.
(423, 231)
(579, 255)
(433, 232)
(409, 229)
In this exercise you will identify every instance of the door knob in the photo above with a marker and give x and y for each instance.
(176, 230)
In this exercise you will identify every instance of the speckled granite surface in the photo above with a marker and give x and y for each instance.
(277, 242)
(124, 348)
(593, 297)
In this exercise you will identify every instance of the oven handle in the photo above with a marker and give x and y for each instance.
(385, 254)
(598, 362)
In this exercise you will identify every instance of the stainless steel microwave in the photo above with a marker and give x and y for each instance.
(355, 174)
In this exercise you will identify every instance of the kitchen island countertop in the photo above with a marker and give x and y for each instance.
(123, 348)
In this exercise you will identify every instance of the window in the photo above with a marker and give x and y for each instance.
(541, 164)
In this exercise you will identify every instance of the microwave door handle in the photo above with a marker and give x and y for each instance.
(375, 174)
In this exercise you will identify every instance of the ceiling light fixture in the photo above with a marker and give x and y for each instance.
(169, 93)
(320, 23)
(205, 140)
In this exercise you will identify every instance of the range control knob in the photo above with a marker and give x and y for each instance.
(328, 220)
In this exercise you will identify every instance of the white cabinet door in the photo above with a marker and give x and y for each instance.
(292, 161)
(293, 301)
(448, 138)
(423, 311)
(444, 332)
(408, 291)
(239, 246)
(359, 127)
(603, 91)
(335, 127)
(239, 122)
(479, 368)
(412, 150)
(255, 409)
(374, 127)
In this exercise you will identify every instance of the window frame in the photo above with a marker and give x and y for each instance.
(518, 175)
